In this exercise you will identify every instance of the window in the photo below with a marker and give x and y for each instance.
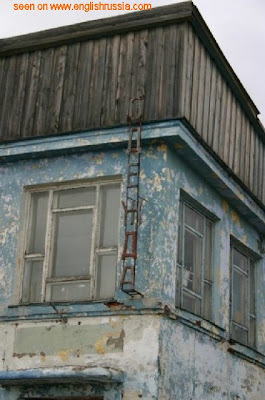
(70, 251)
(243, 317)
(194, 263)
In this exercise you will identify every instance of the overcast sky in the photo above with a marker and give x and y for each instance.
(237, 25)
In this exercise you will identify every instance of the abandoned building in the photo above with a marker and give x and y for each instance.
(132, 215)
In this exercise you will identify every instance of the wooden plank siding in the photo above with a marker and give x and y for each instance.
(212, 109)
(77, 85)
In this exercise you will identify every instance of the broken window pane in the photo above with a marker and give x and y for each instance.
(38, 222)
(72, 243)
(192, 261)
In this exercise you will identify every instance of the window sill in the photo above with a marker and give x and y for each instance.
(246, 353)
(198, 323)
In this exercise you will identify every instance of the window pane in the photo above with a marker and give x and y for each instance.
(239, 334)
(72, 243)
(252, 332)
(38, 222)
(192, 261)
(194, 219)
(252, 288)
(110, 212)
(106, 276)
(178, 271)
(240, 260)
(239, 298)
(32, 281)
(191, 303)
(207, 301)
(70, 291)
(78, 197)
(180, 234)
(208, 251)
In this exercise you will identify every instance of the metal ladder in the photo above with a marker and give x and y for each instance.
(132, 210)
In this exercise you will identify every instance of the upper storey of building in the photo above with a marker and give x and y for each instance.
(84, 76)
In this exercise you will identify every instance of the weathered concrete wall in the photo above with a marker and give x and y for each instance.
(195, 366)
(179, 355)
(123, 343)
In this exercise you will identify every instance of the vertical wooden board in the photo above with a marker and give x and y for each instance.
(150, 66)
(69, 88)
(2, 91)
(217, 114)
(243, 148)
(96, 83)
(201, 91)
(7, 93)
(110, 81)
(251, 158)
(263, 185)
(157, 98)
(227, 126)
(43, 93)
(153, 78)
(18, 95)
(82, 85)
(247, 150)
(237, 147)
(32, 82)
(256, 166)
(195, 82)
(223, 125)
(189, 73)
(232, 133)
(172, 72)
(206, 100)
(124, 77)
(181, 55)
(56, 90)
(138, 77)
(212, 106)
(261, 170)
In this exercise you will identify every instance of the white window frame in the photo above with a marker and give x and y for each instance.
(96, 250)
(186, 200)
(251, 263)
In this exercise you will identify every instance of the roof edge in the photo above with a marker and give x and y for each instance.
(97, 28)
(158, 16)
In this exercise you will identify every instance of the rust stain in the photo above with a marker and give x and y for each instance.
(99, 346)
(235, 217)
(162, 147)
(42, 356)
(20, 355)
(63, 354)
(178, 146)
(225, 206)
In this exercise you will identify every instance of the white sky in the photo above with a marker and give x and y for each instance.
(237, 25)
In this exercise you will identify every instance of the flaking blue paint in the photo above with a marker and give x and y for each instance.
(172, 160)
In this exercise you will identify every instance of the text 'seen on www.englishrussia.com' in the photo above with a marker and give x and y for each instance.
(86, 7)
